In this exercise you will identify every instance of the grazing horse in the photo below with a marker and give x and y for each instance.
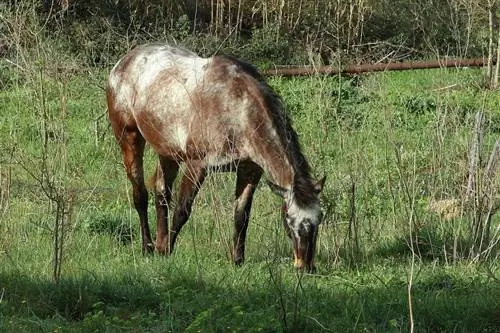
(210, 114)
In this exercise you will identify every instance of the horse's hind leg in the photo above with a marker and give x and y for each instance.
(132, 144)
(191, 182)
(165, 175)
(248, 176)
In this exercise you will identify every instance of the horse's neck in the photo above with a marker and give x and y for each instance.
(268, 152)
(280, 158)
(279, 167)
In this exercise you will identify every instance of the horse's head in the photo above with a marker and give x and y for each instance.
(301, 223)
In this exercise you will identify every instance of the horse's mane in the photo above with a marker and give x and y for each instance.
(303, 187)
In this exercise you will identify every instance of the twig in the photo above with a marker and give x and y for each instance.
(319, 324)
(14, 64)
(446, 88)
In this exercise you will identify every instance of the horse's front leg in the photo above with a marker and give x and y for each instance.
(191, 182)
(248, 176)
(166, 172)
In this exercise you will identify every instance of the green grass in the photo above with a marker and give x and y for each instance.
(400, 140)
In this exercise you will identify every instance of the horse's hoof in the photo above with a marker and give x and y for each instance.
(311, 270)
(238, 262)
(148, 249)
(163, 251)
(161, 246)
(302, 266)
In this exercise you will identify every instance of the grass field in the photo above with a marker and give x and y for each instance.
(394, 249)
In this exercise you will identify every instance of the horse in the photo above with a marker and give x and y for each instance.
(209, 114)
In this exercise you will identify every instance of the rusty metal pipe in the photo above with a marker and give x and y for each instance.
(380, 67)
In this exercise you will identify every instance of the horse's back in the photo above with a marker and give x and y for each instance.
(146, 69)
(183, 104)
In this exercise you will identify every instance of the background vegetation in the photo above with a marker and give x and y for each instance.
(268, 32)
(410, 238)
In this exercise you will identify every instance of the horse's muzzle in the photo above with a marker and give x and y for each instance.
(304, 247)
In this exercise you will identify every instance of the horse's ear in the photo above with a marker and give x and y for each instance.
(278, 190)
(318, 187)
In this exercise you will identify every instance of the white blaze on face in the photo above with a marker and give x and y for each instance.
(302, 216)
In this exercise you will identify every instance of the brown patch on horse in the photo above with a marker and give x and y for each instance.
(165, 78)
(123, 65)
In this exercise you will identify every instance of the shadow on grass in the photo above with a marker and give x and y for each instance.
(430, 243)
(441, 302)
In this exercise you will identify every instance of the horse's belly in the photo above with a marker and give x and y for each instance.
(190, 138)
